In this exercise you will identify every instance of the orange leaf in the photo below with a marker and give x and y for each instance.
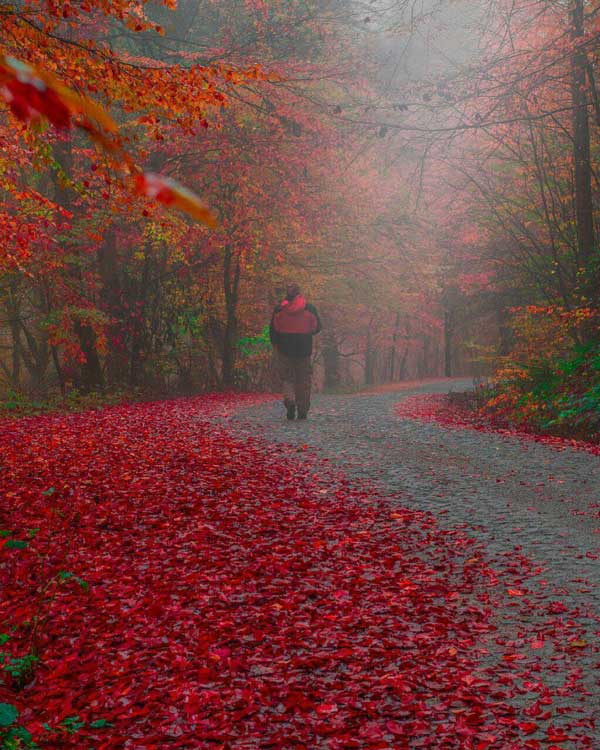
(171, 193)
(43, 88)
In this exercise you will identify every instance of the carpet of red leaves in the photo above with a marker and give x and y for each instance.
(238, 595)
(435, 407)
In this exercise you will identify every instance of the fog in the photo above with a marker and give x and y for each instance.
(370, 151)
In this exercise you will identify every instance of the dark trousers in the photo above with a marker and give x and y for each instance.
(296, 378)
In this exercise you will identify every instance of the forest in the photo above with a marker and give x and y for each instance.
(425, 172)
(415, 563)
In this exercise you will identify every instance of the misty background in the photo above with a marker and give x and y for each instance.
(409, 164)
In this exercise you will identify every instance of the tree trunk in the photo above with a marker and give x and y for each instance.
(15, 375)
(58, 368)
(581, 146)
(91, 376)
(393, 350)
(15, 330)
(35, 357)
(138, 334)
(423, 366)
(448, 342)
(369, 361)
(331, 362)
(504, 331)
(402, 365)
(231, 282)
(111, 295)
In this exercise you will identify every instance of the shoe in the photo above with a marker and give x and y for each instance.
(302, 414)
(291, 411)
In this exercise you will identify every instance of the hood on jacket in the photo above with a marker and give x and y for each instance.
(294, 306)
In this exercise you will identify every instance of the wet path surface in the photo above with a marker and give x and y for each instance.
(536, 509)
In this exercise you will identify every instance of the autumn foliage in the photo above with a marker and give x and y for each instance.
(102, 289)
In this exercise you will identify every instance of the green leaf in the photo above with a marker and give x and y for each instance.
(66, 575)
(4, 533)
(21, 668)
(16, 544)
(49, 491)
(72, 724)
(4, 637)
(24, 735)
(32, 532)
(8, 714)
(101, 724)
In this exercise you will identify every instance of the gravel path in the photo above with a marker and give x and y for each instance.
(535, 508)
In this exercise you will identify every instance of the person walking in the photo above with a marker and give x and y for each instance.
(293, 324)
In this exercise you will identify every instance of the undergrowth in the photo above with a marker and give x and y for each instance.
(549, 382)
